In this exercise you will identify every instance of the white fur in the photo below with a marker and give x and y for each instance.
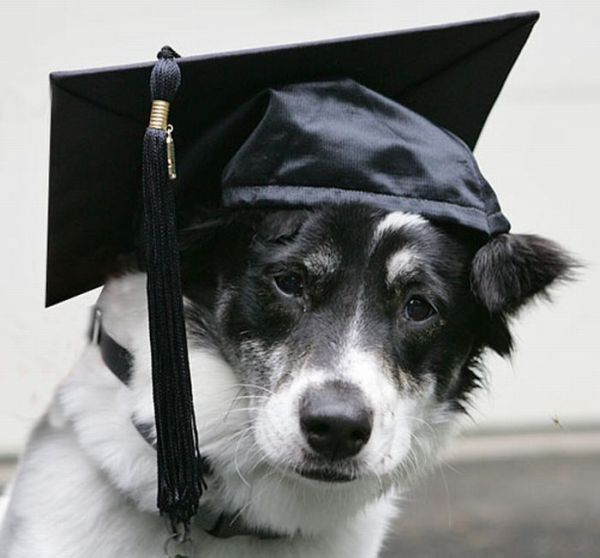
(402, 262)
(395, 221)
(86, 486)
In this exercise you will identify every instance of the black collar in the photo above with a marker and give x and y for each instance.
(116, 357)
(120, 362)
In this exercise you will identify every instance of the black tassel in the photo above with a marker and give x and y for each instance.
(180, 481)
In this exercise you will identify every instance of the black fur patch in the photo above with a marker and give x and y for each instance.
(512, 268)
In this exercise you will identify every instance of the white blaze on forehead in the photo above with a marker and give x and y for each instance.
(395, 221)
(403, 262)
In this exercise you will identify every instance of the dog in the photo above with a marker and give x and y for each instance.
(331, 350)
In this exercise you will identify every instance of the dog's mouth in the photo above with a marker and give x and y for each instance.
(325, 474)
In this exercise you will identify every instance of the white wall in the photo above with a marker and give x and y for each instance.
(539, 150)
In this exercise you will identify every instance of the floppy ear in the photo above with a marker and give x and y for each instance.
(511, 269)
(270, 225)
(210, 245)
(217, 239)
(282, 225)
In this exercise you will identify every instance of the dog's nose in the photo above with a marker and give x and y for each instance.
(335, 421)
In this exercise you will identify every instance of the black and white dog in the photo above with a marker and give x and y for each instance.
(331, 352)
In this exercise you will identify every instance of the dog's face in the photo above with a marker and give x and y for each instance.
(354, 333)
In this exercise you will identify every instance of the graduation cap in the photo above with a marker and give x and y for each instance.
(388, 119)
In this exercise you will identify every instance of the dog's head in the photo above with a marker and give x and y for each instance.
(354, 335)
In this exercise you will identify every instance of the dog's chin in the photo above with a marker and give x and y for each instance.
(325, 475)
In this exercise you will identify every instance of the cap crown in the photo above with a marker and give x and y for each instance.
(340, 141)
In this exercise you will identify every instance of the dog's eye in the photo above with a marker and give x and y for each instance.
(417, 309)
(290, 284)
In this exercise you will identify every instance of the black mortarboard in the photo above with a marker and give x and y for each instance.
(386, 119)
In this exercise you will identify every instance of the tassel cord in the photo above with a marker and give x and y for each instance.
(180, 482)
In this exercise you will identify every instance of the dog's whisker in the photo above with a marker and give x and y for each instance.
(239, 513)
(223, 419)
(257, 451)
(423, 422)
(255, 386)
(234, 401)
(220, 437)
(258, 397)
(207, 431)
(239, 388)
(238, 410)
(235, 457)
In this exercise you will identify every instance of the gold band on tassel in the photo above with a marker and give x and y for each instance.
(159, 115)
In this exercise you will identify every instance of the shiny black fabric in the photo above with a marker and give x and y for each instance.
(450, 74)
(340, 141)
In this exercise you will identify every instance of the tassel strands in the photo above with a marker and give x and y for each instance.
(180, 481)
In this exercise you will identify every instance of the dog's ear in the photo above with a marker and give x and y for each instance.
(209, 222)
(218, 239)
(268, 225)
(511, 269)
(282, 225)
